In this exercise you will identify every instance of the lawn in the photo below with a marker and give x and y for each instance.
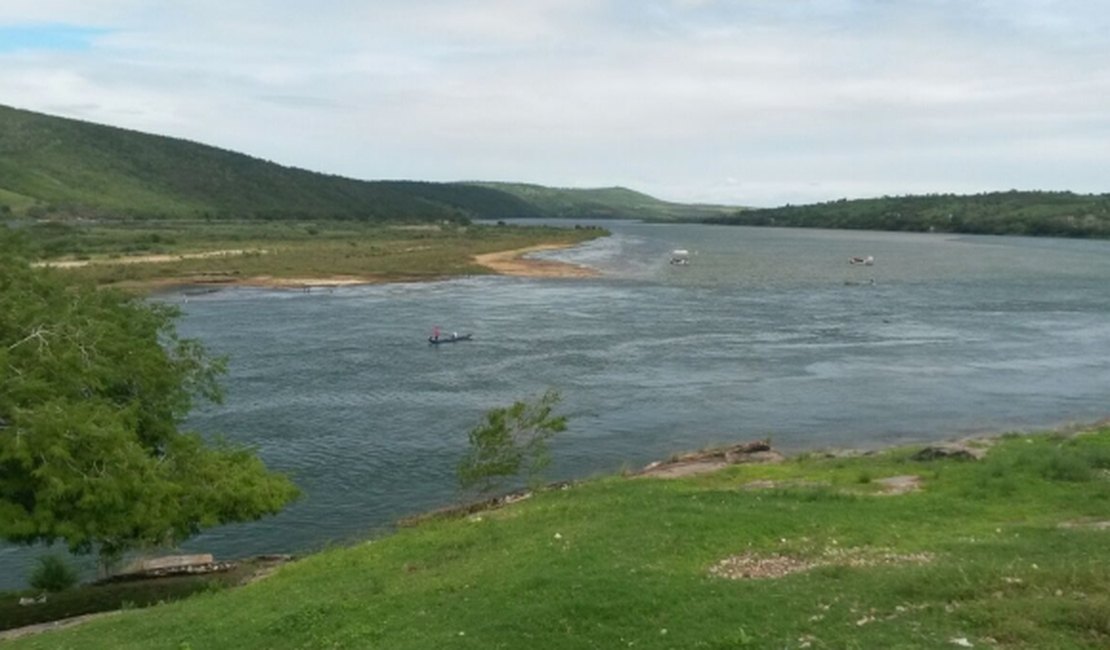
(1006, 552)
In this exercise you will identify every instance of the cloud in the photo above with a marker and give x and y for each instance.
(793, 100)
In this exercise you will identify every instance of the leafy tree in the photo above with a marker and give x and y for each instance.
(94, 387)
(510, 441)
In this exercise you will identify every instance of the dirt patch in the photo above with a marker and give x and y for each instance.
(515, 263)
(712, 460)
(1087, 524)
(751, 566)
(271, 282)
(149, 259)
(894, 485)
(766, 484)
(755, 566)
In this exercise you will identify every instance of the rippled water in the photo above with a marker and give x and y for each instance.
(766, 333)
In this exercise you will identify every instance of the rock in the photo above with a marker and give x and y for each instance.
(960, 452)
(711, 460)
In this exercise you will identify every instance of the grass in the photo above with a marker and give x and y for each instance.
(316, 249)
(623, 563)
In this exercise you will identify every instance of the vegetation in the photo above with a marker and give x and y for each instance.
(1058, 214)
(94, 386)
(1007, 552)
(512, 440)
(111, 596)
(55, 168)
(279, 249)
(70, 168)
(52, 573)
(604, 203)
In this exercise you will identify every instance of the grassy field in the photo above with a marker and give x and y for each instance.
(280, 249)
(1006, 552)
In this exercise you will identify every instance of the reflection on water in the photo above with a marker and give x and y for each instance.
(766, 333)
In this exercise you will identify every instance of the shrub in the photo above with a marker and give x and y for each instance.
(512, 440)
(53, 573)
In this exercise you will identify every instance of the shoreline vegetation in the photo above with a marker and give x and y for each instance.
(990, 542)
(1032, 214)
(163, 256)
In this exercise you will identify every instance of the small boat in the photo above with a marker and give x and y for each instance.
(453, 337)
(680, 257)
(866, 261)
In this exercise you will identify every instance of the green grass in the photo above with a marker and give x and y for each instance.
(617, 563)
(292, 249)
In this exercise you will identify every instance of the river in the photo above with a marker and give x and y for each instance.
(766, 333)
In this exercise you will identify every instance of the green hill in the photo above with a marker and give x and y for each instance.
(604, 203)
(59, 167)
(1059, 214)
(68, 167)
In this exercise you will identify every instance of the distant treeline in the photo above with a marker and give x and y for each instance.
(1057, 214)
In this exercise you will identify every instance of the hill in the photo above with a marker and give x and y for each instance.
(58, 167)
(604, 203)
(1059, 214)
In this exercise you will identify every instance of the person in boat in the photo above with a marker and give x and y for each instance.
(435, 333)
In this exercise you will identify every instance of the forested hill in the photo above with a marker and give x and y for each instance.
(51, 164)
(607, 202)
(57, 167)
(1060, 214)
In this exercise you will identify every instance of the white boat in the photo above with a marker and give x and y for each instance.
(680, 257)
(866, 261)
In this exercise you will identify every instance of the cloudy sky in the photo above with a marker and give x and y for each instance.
(752, 102)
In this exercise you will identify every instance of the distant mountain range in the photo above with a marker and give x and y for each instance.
(53, 166)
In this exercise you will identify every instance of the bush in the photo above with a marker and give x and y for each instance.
(52, 573)
(512, 440)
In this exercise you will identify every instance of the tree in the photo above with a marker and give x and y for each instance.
(511, 440)
(94, 388)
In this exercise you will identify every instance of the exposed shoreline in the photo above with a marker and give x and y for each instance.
(512, 262)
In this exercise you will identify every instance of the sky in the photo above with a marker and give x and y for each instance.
(748, 102)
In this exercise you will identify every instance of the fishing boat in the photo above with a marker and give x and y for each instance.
(453, 337)
(866, 261)
(680, 257)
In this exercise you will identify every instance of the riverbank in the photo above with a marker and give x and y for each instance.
(516, 262)
(513, 262)
(303, 256)
(818, 550)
